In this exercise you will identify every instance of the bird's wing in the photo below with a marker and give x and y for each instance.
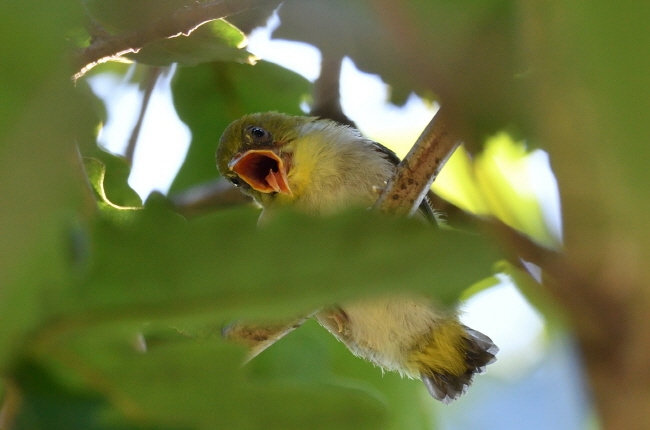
(426, 208)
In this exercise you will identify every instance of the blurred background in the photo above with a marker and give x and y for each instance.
(112, 308)
(537, 370)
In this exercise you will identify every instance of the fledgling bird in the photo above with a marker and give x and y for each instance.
(320, 167)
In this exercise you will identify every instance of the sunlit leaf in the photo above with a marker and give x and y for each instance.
(504, 179)
(481, 285)
(216, 40)
(499, 182)
(457, 184)
(115, 180)
(96, 172)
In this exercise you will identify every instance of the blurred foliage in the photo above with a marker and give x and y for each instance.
(462, 52)
(499, 182)
(115, 16)
(79, 284)
(555, 317)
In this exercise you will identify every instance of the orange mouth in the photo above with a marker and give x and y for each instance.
(263, 170)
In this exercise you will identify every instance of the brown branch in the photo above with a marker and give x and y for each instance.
(607, 329)
(182, 22)
(415, 174)
(150, 83)
(591, 313)
(327, 91)
(204, 198)
(11, 404)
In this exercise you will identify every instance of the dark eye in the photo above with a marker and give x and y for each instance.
(235, 180)
(258, 132)
(259, 135)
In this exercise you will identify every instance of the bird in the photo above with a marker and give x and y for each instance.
(321, 167)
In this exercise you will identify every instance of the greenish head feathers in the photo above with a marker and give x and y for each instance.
(250, 153)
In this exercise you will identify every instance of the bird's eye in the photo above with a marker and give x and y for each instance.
(259, 135)
(258, 132)
(235, 180)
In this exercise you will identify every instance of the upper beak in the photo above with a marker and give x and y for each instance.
(263, 170)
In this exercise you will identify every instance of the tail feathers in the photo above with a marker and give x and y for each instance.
(479, 351)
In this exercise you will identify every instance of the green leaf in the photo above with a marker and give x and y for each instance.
(202, 385)
(593, 69)
(481, 285)
(609, 51)
(217, 40)
(310, 353)
(210, 96)
(411, 406)
(160, 265)
(118, 16)
(41, 180)
(49, 405)
(37, 27)
(96, 171)
(115, 182)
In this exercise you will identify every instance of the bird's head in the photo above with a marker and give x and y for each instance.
(255, 153)
(314, 165)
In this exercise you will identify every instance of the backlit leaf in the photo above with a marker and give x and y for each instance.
(216, 40)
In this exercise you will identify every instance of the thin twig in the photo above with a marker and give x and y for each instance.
(149, 85)
(181, 22)
(415, 174)
(208, 197)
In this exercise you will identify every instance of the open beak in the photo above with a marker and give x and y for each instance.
(263, 170)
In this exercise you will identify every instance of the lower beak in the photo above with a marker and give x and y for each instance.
(263, 170)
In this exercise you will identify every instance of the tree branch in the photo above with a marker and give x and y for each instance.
(181, 22)
(413, 178)
(150, 83)
(208, 197)
(591, 313)
(417, 171)
(11, 404)
(327, 91)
